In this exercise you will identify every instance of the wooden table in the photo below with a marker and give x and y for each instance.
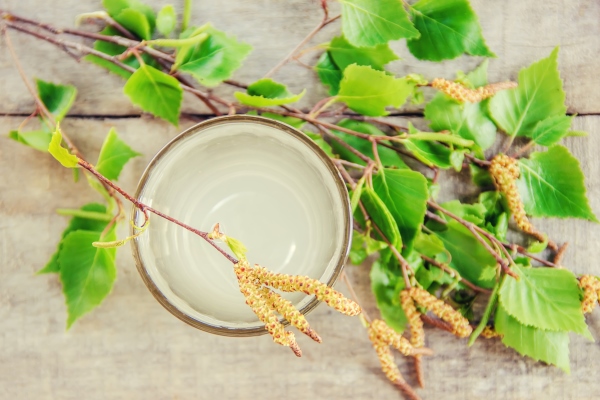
(131, 348)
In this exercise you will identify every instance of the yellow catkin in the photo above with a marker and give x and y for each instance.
(388, 365)
(383, 333)
(505, 172)
(591, 287)
(466, 95)
(259, 305)
(489, 333)
(289, 312)
(459, 323)
(294, 283)
(417, 333)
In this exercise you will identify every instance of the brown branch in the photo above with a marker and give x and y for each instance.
(437, 323)
(145, 209)
(453, 273)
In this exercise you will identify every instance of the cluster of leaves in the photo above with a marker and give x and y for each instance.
(533, 313)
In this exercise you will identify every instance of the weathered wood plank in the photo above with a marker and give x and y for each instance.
(518, 32)
(130, 348)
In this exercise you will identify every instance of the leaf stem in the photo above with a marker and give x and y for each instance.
(187, 14)
(491, 305)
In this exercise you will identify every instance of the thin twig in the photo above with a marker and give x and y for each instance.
(353, 295)
(454, 273)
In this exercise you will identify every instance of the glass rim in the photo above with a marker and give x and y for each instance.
(198, 129)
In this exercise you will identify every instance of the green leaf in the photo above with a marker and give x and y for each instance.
(87, 273)
(113, 156)
(266, 92)
(135, 22)
(552, 185)
(213, 60)
(388, 157)
(469, 257)
(551, 130)
(386, 286)
(61, 154)
(429, 245)
(539, 96)
(550, 347)
(429, 153)
(480, 176)
(237, 247)
(356, 193)
(321, 143)
(155, 92)
(39, 140)
(363, 246)
(545, 298)
(474, 213)
(141, 21)
(58, 99)
(78, 223)
(448, 29)
(368, 91)
(291, 121)
(405, 194)
(382, 217)
(368, 23)
(166, 20)
(329, 73)
(344, 53)
(112, 50)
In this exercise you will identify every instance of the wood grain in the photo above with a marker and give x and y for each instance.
(131, 348)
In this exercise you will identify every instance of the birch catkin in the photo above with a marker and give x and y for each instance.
(466, 95)
(460, 325)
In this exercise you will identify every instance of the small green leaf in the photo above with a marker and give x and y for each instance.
(429, 245)
(166, 20)
(469, 257)
(364, 246)
(344, 54)
(368, 23)
(386, 286)
(356, 193)
(548, 346)
(388, 157)
(552, 185)
(58, 99)
(78, 222)
(382, 217)
(155, 92)
(480, 176)
(39, 140)
(537, 247)
(368, 91)
(113, 156)
(266, 92)
(321, 143)
(551, 130)
(237, 247)
(329, 73)
(87, 273)
(213, 60)
(429, 153)
(448, 29)
(112, 49)
(135, 22)
(405, 194)
(474, 213)
(61, 154)
(291, 121)
(545, 298)
(539, 96)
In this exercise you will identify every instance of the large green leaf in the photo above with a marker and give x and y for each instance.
(76, 223)
(539, 344)
(405, 194)
(551, 130)
(58, 99)
(368, 91)
(344, 54)
(329, 73)
(386, 286)
(382, 217)
(448, 29)
(368, 23)
(539, 96)
(87, 273)
(113, 156)
(552, 185)
(388, 157)
(39, 140)
(266, 92)
(469, 257)
(214, 59)
(155, 92)
(468, 120)
(545, 298)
